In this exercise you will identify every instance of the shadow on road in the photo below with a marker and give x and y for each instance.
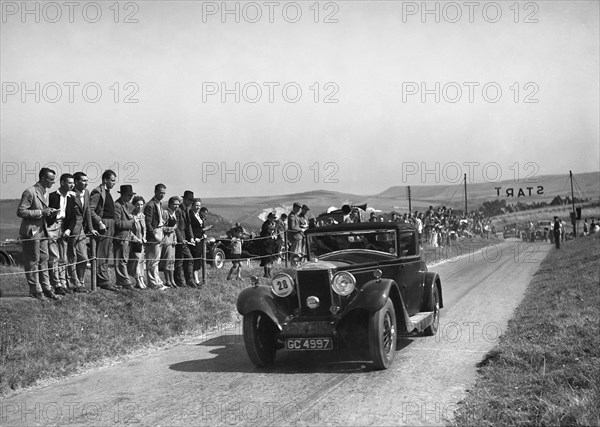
(228, 354)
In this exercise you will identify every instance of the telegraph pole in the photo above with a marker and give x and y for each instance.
(573, 214)
(466, 211)
(408, 195)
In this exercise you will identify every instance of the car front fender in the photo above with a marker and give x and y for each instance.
(373, 295)
(262, 299)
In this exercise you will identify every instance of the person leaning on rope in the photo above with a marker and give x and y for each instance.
(102, 208)
(33, 210)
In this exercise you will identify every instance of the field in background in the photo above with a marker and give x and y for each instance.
(247, 210)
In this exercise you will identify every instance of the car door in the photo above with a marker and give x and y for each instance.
(410, 276)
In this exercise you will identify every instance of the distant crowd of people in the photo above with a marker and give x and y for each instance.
(141, 237)
(439, 227)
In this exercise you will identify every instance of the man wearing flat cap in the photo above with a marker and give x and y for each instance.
(124, 223)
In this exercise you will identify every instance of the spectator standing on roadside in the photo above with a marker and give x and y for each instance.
(557, 230)
(585, 227)
(153, 213)
(33, 210)
(79, 223)
(281, 226)
(419, 226)
(236, 254)
(268, 234)
(102, 207)
(135, 264)
(197, 219)
(124, 225)
(303, 222)
(184, 264)
(170, 240)
(294, 231)
(61, 200)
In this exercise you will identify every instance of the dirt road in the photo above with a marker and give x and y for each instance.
(211, 381)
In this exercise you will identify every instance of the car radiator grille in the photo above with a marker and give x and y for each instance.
(314, 283)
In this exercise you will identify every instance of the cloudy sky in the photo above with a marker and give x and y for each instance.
(259, 98)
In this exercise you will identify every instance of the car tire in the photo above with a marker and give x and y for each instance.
(383, 335)
(434, 305)
(218, 258)
(259, 338)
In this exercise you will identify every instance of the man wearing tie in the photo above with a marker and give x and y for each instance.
(102, 209)
(33, 210)
(154, 236)
(79, 222)
(62, 201)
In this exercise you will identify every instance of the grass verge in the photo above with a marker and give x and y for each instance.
(546, 367)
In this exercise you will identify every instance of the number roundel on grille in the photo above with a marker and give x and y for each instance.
(282, 285)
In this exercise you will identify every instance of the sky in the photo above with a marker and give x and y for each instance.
(269, 98)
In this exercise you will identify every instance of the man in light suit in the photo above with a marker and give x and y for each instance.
(33, 209)
(154, 236)
(102, 208)
(124, 223)
(79, 223)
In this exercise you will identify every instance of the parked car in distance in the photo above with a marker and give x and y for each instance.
(511, 230)
(363, 284)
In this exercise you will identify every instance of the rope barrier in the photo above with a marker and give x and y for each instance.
(47, 269)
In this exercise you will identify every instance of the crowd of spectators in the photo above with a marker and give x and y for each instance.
(141, 238)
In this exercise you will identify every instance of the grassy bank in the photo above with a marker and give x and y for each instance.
(47, 340)
(546, 367)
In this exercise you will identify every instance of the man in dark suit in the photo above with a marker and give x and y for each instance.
(154, 236)
(62, 201)
(33, 209)
(79, 223)
(184, 265)
(124, 223)
(102, 209)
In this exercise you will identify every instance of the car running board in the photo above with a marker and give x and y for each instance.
(420, 321)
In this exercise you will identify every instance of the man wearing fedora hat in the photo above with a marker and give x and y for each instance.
(184, 265)
(124, 223)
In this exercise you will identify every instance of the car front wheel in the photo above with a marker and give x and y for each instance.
(382, 336)
(260, 338)
(218, 258)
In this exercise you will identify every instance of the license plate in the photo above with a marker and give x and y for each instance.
(295, 344)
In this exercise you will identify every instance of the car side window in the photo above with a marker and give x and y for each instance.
(407, 243)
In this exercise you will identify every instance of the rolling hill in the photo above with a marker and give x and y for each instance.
(251, 211)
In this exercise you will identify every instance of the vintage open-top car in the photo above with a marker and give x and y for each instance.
(362, 284)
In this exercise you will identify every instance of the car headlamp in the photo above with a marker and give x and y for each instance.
(343, 283)
(282, 285)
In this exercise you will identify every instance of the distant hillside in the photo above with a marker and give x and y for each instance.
(251, 211)
(585, 185)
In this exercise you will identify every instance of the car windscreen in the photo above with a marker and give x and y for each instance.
(376, 240)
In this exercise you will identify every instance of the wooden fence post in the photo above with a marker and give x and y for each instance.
(94, 264)
(204, 261)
